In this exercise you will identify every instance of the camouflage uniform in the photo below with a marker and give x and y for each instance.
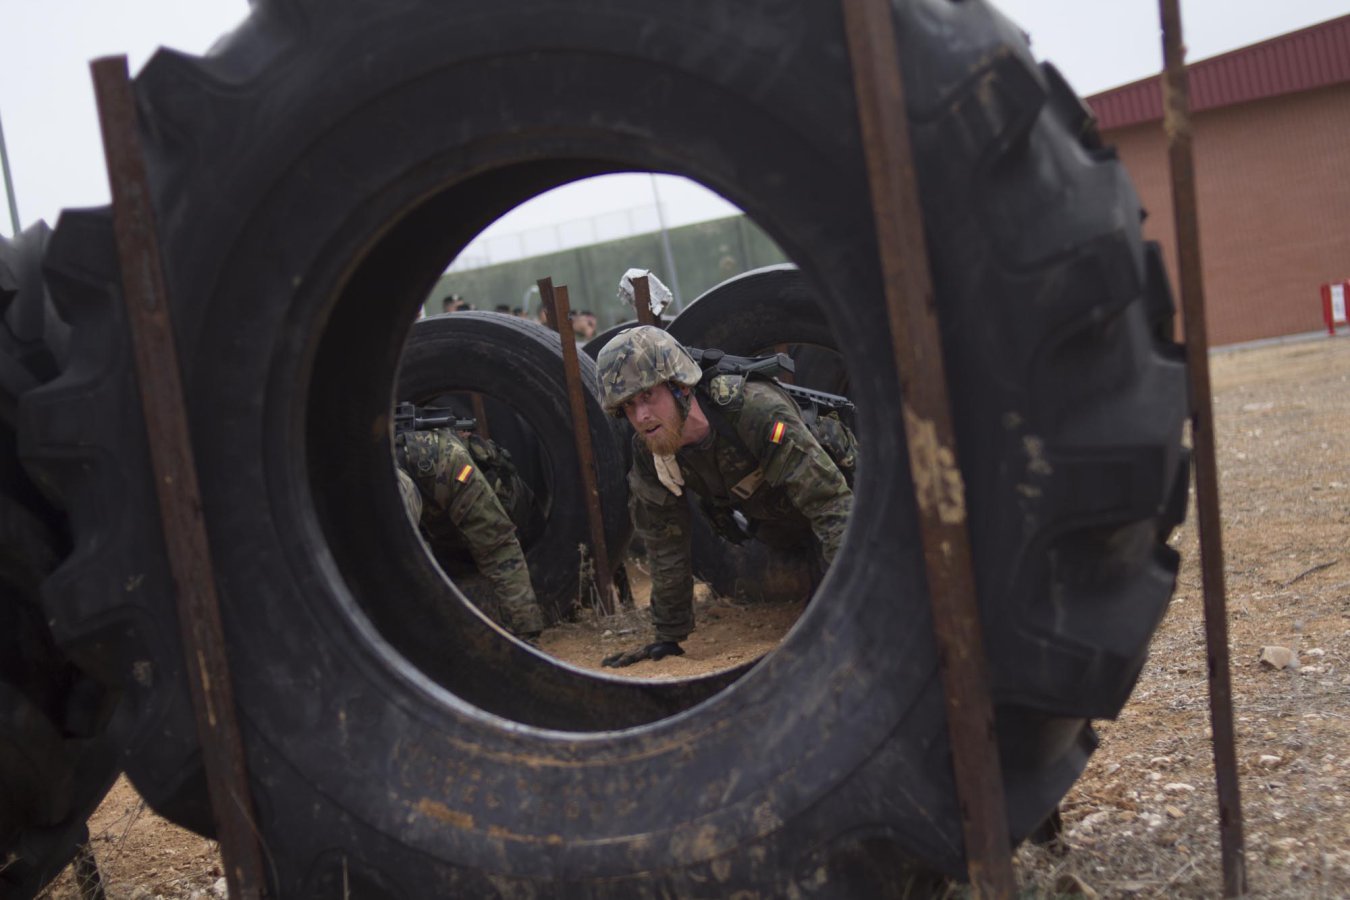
(445, 491)
(773, 471)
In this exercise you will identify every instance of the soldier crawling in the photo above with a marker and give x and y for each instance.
(447, 493)
(740, 444)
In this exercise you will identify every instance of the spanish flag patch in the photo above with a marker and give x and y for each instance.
(464, 474)
(777, 434)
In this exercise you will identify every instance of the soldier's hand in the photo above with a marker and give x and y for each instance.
(654, 651)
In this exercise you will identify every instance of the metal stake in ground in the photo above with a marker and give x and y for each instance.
(161, 389)
(642, 301)
(556, 300)
(927, 412)
(480, 416)
(1177, 122)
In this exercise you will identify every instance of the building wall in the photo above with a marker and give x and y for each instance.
(1273, 186)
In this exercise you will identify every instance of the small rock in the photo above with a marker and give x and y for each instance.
(1160, 761)
(1277, 657)
(1090, 822)
(1152, 820)
(608, 632)
(1315, 652)
(1267, 761)
(1310, 670)
(140, 892)
(1154, 776)
(1071, 885)
(1173, 811)
(1178, 787)
(1111, 769)
(221, 888)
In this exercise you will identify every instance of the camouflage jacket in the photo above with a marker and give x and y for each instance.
(773, 470)
(445, 491)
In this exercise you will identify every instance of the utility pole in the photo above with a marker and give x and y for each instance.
(9, 184)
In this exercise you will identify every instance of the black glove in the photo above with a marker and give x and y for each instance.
(658, 650)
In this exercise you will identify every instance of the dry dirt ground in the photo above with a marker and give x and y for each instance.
(1142, 820)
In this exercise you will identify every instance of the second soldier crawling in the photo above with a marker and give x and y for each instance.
(446, 491)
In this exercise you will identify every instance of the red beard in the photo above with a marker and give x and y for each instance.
(669, 437)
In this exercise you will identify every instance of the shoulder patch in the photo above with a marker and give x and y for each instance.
(464, 474)
(724, 389)
(777, 431)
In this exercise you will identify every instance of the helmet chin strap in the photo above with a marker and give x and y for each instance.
(684, 398)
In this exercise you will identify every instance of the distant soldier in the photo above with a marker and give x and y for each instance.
(456, 503)
(740, 444)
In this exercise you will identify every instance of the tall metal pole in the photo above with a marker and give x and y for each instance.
(146, 296)
(556, 298)
(665, 247)
(1177, 124)
(926, 408)
(9, 183)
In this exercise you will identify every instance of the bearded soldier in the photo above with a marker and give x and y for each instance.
(447, 493)
(739, 444)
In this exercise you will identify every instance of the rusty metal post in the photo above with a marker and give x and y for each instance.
(160, 381)
(932, 446)
(480, 416)
(546, 304)
(642, 300)
(1177, 122)
(557, 301)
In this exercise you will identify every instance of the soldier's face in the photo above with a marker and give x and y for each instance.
(656, 416)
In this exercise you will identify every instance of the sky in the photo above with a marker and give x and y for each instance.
(51, 126)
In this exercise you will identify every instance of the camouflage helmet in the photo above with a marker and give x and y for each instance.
(637, 359)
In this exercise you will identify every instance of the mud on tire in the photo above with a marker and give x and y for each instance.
(348, 187)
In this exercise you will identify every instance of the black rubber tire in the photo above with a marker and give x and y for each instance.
(759, 310)
(306, 204)
(519, 364)
(55, 765)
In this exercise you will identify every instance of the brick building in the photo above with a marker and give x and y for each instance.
(1272, 155)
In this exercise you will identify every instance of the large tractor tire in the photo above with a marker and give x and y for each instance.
(517, 367)
(55, 763)
(315, 174)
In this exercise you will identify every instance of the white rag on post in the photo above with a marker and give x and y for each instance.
(668, 471)
(661, 296)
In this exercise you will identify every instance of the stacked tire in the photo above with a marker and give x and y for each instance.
(55, 763)
(305, 204)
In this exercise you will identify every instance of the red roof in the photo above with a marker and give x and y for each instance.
(1314, 57)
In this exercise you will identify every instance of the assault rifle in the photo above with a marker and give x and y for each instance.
(717, 362)
(410, 417)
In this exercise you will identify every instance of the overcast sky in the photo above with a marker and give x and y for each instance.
(51, 128)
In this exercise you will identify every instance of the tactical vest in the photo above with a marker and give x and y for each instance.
(494, 462)
(495, 466)
(834, 437)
